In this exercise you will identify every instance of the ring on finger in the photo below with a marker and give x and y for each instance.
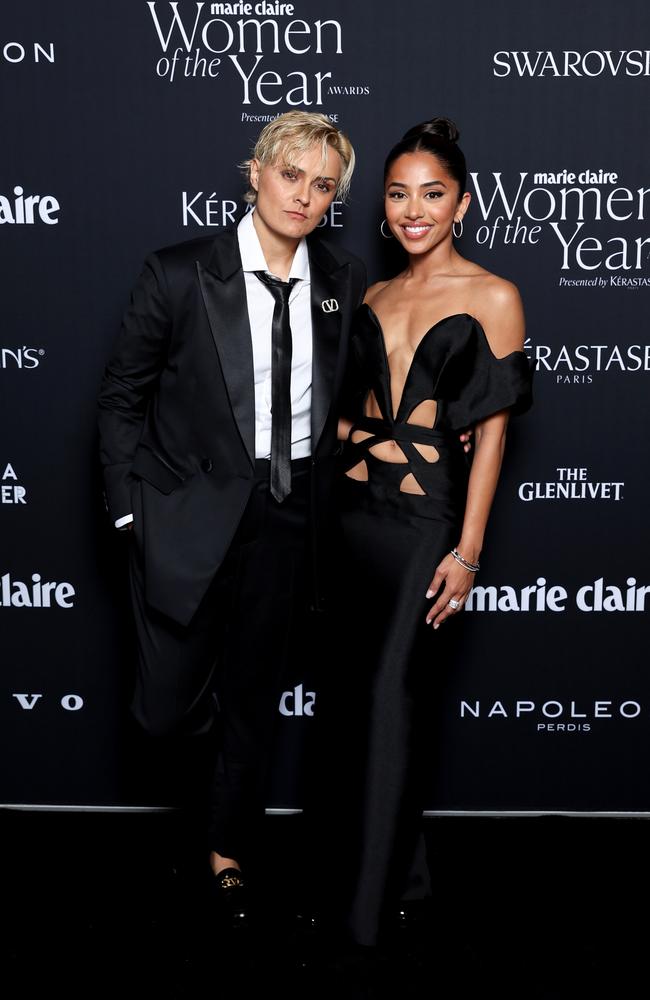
(453, 603)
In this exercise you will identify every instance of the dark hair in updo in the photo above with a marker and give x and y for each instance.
(439, 136)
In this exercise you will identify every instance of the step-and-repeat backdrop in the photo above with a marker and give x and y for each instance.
(123, 122)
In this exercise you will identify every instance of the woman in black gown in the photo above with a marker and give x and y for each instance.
(434, 350)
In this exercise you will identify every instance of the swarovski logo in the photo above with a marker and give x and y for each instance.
(330, 306)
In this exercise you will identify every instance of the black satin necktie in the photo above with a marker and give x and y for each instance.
(281, 349)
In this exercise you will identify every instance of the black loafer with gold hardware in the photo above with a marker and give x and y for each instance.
(229, 890)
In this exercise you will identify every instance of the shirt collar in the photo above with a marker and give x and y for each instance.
(252, 255)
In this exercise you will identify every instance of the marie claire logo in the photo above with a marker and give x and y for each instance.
(540, 596)
(27, 210)
(69, 702)
(202, 209)
(569, 62)
(577, 364)
(552, 716)
(21, 357)
(10, 491)
(297, 702)
(37, 593)
(571, 484)
(523, 212)
(17, 52)
(203, 41)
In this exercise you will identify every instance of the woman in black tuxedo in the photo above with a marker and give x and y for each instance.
(218, 437)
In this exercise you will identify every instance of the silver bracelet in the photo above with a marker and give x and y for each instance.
(472, 567)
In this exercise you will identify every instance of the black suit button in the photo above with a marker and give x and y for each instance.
(206, 464)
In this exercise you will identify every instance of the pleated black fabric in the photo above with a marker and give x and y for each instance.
(391, 542)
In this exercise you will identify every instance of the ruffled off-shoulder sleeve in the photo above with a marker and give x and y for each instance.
(493, 384)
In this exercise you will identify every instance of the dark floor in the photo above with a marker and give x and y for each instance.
(105, 904)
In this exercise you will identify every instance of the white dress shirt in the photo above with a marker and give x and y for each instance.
(260, 313)
(260, 304)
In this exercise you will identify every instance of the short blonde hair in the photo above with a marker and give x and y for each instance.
(292, 134)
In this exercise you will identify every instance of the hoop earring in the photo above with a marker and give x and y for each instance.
(381, 230)
(453, 228)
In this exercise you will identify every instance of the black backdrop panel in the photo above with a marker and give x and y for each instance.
(123, 125)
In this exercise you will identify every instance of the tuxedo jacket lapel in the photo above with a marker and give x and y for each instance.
(224, 293)
(329, 284)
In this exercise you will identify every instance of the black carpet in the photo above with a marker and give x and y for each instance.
(100, 904)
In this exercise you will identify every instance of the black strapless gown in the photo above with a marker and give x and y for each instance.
(390, 544)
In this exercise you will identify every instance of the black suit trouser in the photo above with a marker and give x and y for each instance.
(233, 656)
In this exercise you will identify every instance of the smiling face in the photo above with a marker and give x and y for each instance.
(293, 198)
(422, 201)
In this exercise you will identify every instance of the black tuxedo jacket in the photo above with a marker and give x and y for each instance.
(177, 414)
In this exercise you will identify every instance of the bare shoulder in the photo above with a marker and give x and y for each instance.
(502, 314)
(374, 290)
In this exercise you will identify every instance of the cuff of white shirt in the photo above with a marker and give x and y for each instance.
(123, 521)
